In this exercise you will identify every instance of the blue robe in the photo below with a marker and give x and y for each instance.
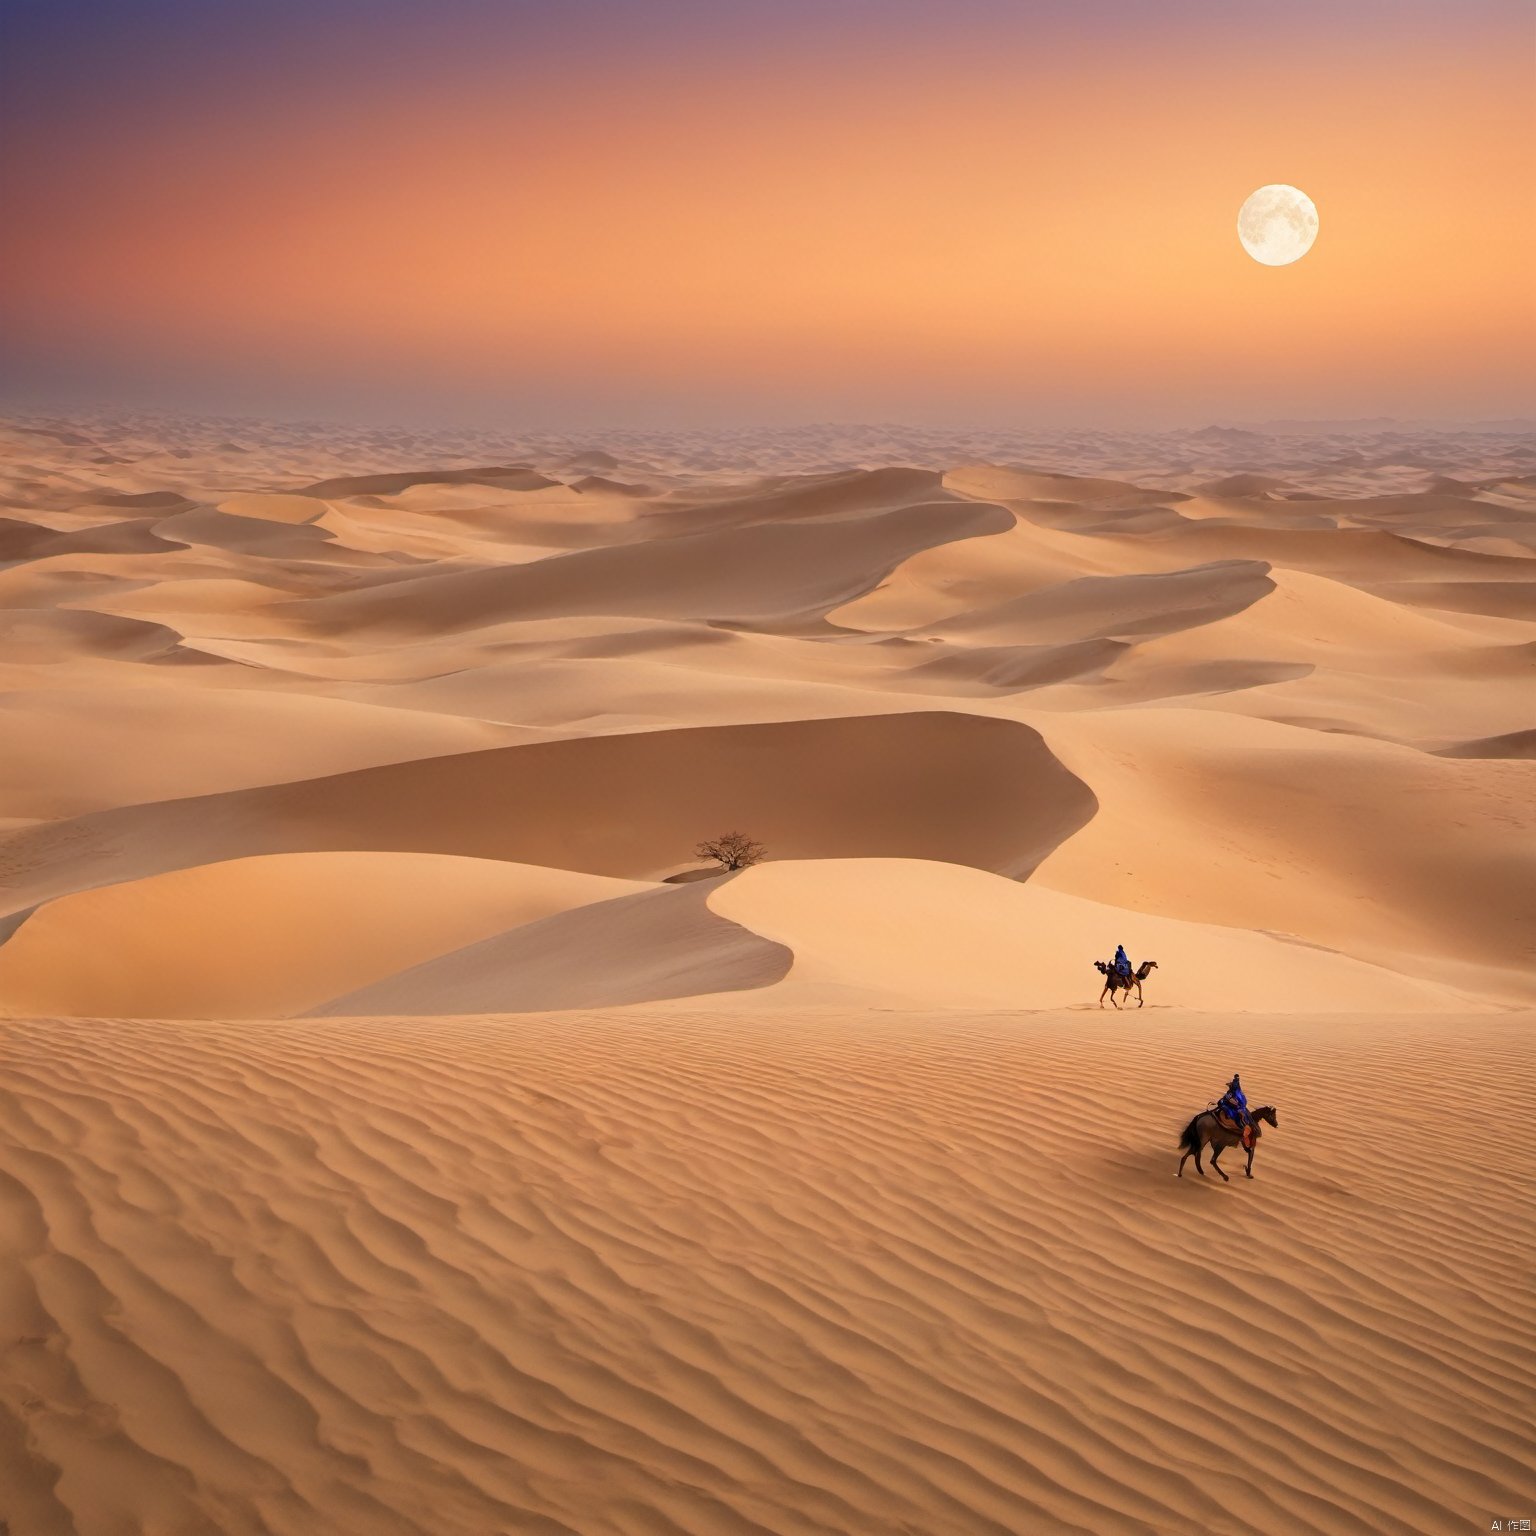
(1235, 1102)
(1122, 963)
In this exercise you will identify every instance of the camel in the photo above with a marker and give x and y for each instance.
(1208, 1129)
(1115, 982)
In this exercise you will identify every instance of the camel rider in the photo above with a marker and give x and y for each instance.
(1234, 1105)
(1122, 961)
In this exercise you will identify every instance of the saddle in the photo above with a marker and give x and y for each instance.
(1244, 1133)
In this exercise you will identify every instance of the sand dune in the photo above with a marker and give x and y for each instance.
(795, 498)
(1368, 553)
(158, 501)
(631, 806)
(50, 636)
(1215, 818)
(1511, 744)
(652, 945)
(976, 572)
(273, 508)
(1303, 617)
(1012, 668)
(427, 538)
(266, 937)
(424, 615)
(389, 484)
(27, 541)
(271, 538)
(994, 482)
(760, 574)
(62, 758)
(1497, 599)
(597, 1193)
(1109, 607)
(902, 934)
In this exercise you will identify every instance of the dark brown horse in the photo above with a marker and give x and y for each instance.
(1208, 1129)
(1115, 982)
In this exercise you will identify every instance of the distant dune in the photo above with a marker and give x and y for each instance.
(624, 805)
(517, 475)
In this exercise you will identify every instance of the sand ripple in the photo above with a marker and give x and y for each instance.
(599, 1274)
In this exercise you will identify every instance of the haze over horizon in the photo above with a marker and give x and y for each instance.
(743, 213)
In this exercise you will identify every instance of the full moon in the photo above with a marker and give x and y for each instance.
(1277, 224)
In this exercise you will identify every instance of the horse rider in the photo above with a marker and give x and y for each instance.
(1122, 965)
(1234, 1105)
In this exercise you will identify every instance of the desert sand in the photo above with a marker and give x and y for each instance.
(402, 1130)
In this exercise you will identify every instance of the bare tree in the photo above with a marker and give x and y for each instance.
(733, 851)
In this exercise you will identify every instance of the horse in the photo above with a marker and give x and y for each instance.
(1208, 1129)
(1115, 982)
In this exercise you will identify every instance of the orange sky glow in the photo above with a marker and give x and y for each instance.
(985, 236)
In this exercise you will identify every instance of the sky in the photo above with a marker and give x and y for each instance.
(716, 212)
